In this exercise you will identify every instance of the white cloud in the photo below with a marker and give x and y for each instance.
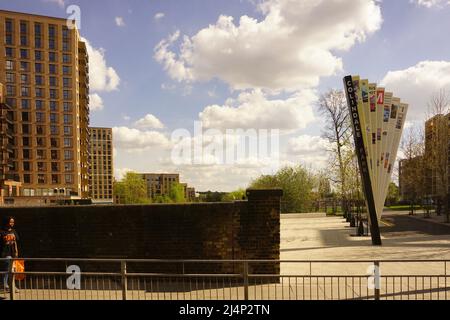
(60, 3)
(291, 48)
(307, 145)
(431, 3)
(101, 76)
(159, 16)
(119, 173)
(120, 22)
(96, 102)
(416, 85)
(254, 110)
(149, 122)
(136, 140)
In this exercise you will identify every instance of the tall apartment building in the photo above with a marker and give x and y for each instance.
(44, 67)
(437, 153)
(159, 184)
(101, 165)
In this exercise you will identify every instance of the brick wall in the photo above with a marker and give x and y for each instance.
(240, 230)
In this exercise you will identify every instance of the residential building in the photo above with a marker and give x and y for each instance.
(101, 165)
(159, 184)
(44, 67)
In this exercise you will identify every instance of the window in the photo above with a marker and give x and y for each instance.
(67, 143)
(25, 103)
(51, 44)
(53, 118)
(68, 178)
(39, 80)
(66, 82)
(53, 130)
(26, 141)
(53, 106)
(67, 107)
(9, 65)
(55, 167)
(55, 179)
(40, 130)
(39, 105)
(26, 166)
(67, 119)
(66, 95)
(38, 55)
(10, 77)
(9, 26)
(52, 56)
(23, 53)
(24, 78)
(9, 39)
(54, 142)
(26, 154)
(39, 92)
(51, 31)
(68, 155)
(53, 82)
(66, 58)
(40, 154)
(65, 33)
(9, 52)
(23, 27)
(41, 166)
(37, 29)
(23, 66)
(54, 154)
(41, 178)
(66, 70)
(53, 94)
(25, 91)
(38, 43)
(11, 102)
(23, 40)
(27, 178)
(66, 46)
(10, 90)
(40, 142)
(25, 129)
(38, 67)
(40, 117)
(68, 166)
(67, 131)
(52, 68)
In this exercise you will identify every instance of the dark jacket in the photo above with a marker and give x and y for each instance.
(8, 243)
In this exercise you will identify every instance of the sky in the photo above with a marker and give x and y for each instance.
(159, 66)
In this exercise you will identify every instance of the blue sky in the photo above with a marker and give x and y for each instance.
(409, 37)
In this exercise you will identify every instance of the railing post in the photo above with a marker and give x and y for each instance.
(377, 280)
(123, 271)
(245, 275)
(12, 283)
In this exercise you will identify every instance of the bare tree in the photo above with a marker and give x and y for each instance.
(437, 137)
(337, 131)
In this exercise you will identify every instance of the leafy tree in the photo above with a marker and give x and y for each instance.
(393, 194)
(176, 193)
(235, 195)
(297, 184)
(132, 189)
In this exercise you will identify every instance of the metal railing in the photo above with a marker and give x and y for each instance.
(111, 279)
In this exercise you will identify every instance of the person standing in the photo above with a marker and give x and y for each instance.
(8, 247)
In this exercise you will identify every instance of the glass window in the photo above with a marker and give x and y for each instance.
(54, 142)
(9, 26)
(51, 31)
(53, 82)
(40, 117)
(39, 105)
(9, 39)
(53, 130)
(26, 129)
(51, 44)
(40, 130)
(66, 70)
(10, 77)
(67, 107)
(41, 167)
(9, 52)
(23, 27)
(68, 178)
(55, 178)
(23, 66)
(24, 79)
(23, 53)
(66, 46)
(37, 29)
(40, 142)
(55, 167)
(41, 178)
(65, 33)
(39, 92)
(53, 118)
(66, 94)
(10, 90)
(25, 103)
(26, 154)
(38, 67)
(52, 56)
(23, 40)
(67, 119)
(66, 82)
(11, 102)
(40, 154)
(68, 166)
(68, 155)
(53, 94)
(67, 131)
(54, 154)
(53, 106)
(26, 166)
(67, 143)
(25, 91)
(26, 141)
(38, 55)
(38, 43)
(9, 65)
(66, 58)
(39, 80)
(27, 178)
(52, 68)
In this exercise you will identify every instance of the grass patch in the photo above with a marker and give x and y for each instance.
(403, 208)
